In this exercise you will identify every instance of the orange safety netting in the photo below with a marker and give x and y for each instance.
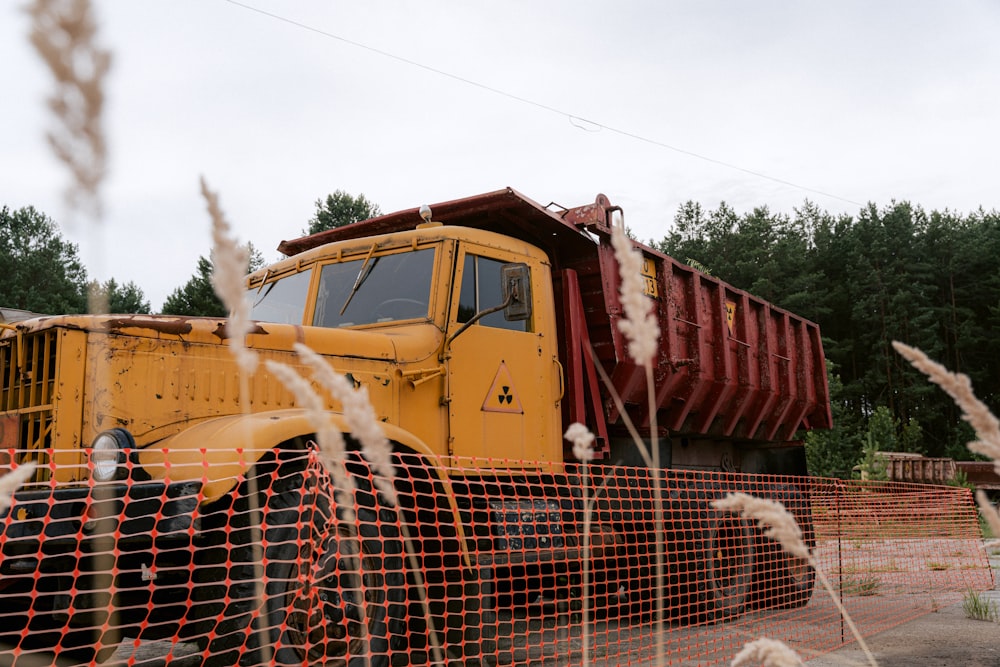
(488, 561)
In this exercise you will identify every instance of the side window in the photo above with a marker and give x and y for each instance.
(481, 289)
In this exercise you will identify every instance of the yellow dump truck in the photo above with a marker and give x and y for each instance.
(176, 498)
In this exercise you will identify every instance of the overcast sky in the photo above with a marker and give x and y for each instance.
(757, 103)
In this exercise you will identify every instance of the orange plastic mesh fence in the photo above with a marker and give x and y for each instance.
(494, 561)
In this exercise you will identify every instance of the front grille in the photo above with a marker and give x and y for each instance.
(28, 363)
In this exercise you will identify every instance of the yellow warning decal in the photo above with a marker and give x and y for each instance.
(502, 397)
(731, 315)
(648, 271)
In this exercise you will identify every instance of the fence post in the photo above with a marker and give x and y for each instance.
(839, 487)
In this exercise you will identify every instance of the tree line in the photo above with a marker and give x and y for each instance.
(894, 272)
(43, 272)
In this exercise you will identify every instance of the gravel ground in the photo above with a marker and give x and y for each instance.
(945, 638)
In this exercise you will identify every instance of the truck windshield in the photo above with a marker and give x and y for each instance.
(282, 300)
(386, 289)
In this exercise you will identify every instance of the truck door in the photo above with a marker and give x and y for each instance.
(502, 375)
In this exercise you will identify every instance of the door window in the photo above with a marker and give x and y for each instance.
(481, 290)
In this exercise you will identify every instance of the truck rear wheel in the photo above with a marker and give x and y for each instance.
(713, 558)
(783, 581)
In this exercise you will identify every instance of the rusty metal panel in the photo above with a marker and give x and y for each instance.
(730, 364)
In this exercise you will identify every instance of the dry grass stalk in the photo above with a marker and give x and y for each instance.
(777, 522)
(974, 411)
(767, 652)
(12, 481)
(63, 33)
(959, 387)
(639, 324)
(643, 332)
(583, 450)
(782, 527)
(228, 278)
(992, 517)
(328, 437)
(361, 420)
(367, 430)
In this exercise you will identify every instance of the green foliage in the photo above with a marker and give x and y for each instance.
(197, 296)
(256, 258)
(42, 272)
(834, 453)
(872, 466)
(340, 209)
(961, 480)
(882, 430)
(127, 298)
(888, 273)
(978, 607)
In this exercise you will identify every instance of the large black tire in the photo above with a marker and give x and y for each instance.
(710, 556)
(445, 601)
(781, 580)
(335, 582)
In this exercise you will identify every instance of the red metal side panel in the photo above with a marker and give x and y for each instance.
(730, 365)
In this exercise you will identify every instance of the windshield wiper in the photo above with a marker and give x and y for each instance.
(362, 275)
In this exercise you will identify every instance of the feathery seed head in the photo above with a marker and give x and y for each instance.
(583, 442)
(359, 415)
(959, 387)
(12, 481)
(639, 324)
(328, 437)
(63, 33)
(767, 652)
(231, 261)
(777, 522)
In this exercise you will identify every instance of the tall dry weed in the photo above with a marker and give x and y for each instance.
(768, 653)
(642, 330)
(360, 417)
(230, 262)
(779, 524)
(974, 411)
(63, 33)
(583, 451)
(12, 481)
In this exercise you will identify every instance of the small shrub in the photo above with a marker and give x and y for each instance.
(979, 608)
(861, 586)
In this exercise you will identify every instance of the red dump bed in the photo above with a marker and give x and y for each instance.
(730, 365)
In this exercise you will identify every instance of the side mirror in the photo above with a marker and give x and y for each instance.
(516, 290)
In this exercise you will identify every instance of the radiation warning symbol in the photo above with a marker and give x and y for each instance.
(730, 315)
(502, 397)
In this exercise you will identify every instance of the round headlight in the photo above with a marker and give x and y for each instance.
(105, 457)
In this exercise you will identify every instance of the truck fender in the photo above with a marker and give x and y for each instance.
(219, 451)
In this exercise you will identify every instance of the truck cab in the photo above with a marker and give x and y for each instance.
(473, 378)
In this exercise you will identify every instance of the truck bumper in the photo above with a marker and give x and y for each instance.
(115, 556)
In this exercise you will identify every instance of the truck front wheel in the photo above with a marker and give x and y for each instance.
(333, 589)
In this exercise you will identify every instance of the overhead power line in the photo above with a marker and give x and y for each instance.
(571, 117)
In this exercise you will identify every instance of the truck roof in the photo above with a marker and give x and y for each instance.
(503, 211)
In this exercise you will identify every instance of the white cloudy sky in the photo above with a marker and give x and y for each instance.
(840, 102)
